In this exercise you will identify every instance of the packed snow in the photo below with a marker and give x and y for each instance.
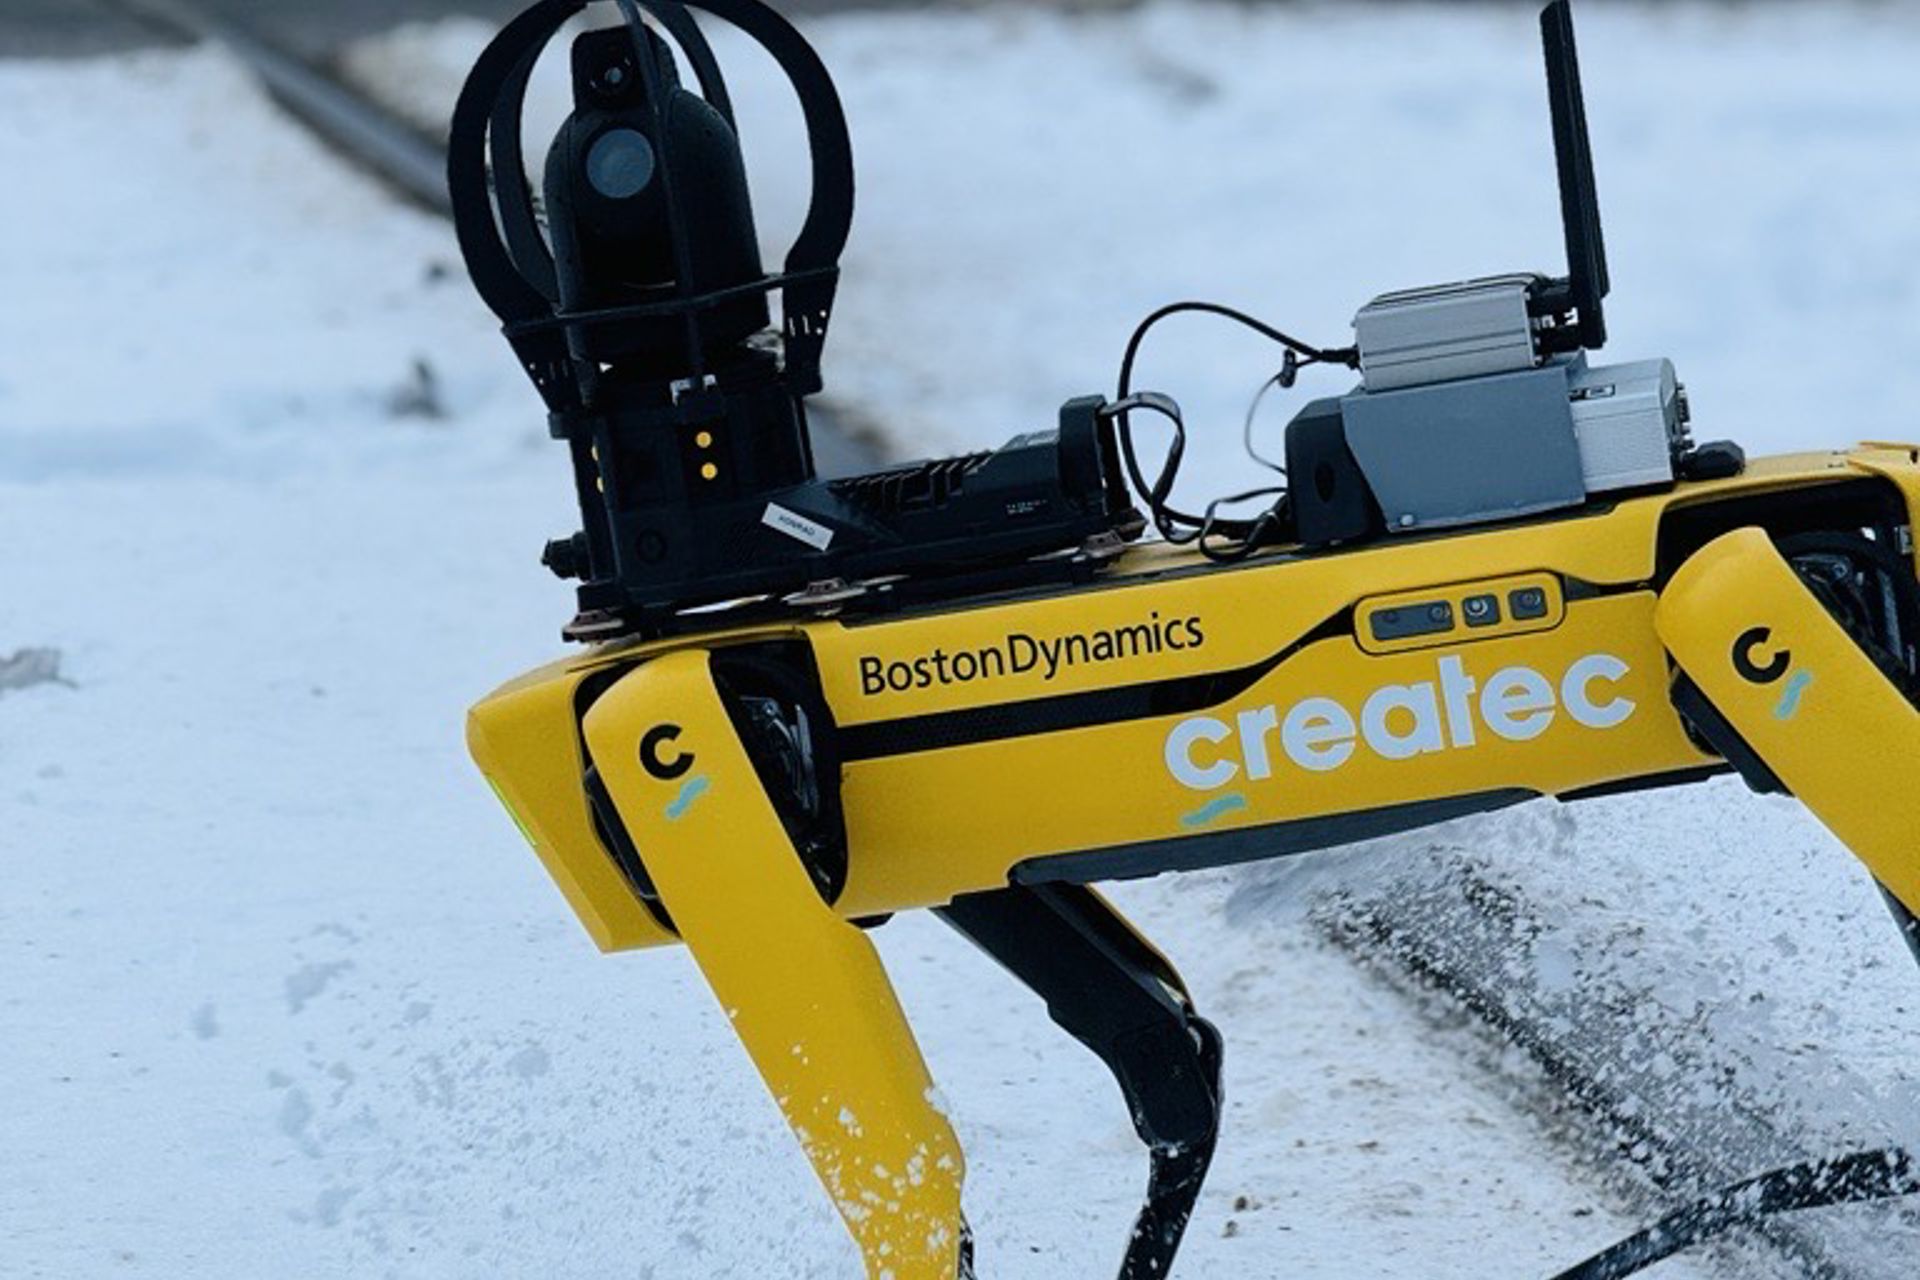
(288, 996)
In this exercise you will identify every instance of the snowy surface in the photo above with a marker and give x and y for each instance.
(285, 995)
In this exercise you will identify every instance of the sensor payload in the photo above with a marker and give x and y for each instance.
(1477, 402)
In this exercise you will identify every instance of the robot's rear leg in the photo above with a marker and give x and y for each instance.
(1110, 990)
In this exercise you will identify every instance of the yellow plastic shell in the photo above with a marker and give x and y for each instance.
(932, 822)
(1809, 702)
(804, 989)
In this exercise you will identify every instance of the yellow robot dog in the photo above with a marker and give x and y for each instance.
(1498, 572)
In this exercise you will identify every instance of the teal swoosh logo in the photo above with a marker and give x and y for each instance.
(1214, 810)
(691, 790)
(1790, 697)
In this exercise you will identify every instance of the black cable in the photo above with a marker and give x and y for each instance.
(1818, 1184)
(1247, 536)
(1278, 381)
(1273, 524)
(1176, 526)
(1244, 533)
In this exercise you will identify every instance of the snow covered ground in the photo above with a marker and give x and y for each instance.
(283, 993)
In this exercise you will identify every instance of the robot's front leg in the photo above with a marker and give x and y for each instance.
(1780, 684)
(804, 989)
(1110, 990)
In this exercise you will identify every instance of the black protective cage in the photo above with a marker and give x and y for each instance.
(511, 262)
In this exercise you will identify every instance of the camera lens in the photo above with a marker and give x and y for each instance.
(620, 164)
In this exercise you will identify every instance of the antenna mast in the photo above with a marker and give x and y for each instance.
(1587, 284)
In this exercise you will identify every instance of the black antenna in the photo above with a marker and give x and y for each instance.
(1587, 284)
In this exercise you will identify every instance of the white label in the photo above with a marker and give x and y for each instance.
(1399, 722)
(797, 527)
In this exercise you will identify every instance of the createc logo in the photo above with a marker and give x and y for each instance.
(1398, 722)
(1770, 672)
(657, 765)
(654, 746)
(1745, 661)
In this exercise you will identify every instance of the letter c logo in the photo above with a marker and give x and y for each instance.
(1751, 671)
(664, 770)
(1179, 754)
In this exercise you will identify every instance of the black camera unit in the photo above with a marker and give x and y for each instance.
(641, 313)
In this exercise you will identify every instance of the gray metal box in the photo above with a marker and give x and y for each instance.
(1445, 333)
(1629, 424)
(1493, 448)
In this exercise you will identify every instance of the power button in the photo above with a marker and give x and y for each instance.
(1528, 604)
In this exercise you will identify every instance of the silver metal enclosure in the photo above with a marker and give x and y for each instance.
(1446, 333)
(1515, 444)
(1631, 424)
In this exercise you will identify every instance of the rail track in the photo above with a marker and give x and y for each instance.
(1457, 940)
